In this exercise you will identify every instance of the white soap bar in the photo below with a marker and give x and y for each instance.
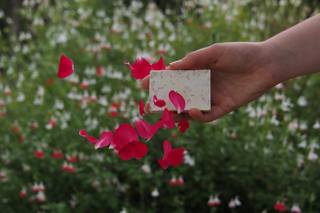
(193, 85)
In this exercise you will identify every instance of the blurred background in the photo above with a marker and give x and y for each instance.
(249, 161)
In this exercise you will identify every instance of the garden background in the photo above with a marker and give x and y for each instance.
(263, 153)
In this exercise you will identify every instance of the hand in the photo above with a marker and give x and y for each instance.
(240, 73)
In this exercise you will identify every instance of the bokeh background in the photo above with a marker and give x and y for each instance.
(260, 154)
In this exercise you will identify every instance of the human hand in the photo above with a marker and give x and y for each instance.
(240, 73)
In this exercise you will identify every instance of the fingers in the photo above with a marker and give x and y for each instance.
(215, 113)
(199, 59)
(145, 83)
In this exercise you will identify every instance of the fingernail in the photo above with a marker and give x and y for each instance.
(175, 62)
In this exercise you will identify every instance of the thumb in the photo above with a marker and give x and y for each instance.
(200, 59)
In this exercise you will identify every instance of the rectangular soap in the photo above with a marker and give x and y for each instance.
(193, 85)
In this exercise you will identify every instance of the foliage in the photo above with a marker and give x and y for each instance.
(262, 153)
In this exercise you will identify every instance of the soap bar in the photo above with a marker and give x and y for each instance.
(193, 85)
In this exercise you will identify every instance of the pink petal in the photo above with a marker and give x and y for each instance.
(145, 130)
(106, 138)
(123, 135)
(177, 100)
(66, 67)
(163, 164)
(183, 125)
(83, 133)
(166, 148)
(140, 68)
(141, 107)
(126, 153)
(158, 102)
(159, 65)
(166, 120)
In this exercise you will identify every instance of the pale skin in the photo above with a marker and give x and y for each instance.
(243, 71)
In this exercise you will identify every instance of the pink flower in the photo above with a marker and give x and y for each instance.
(141, 107)
(158, 102)
(280, 207)
(100, 71)
(295, 209)
(57, 154)
(66, 67)
(123, 135)
(183, 125)
(90, 138)
(72, 159)
(23, 193)
(176, 182)
(171, 157)
(135, 149)
(141, 67)
(146, 130)
(177, 100)
(166, 120)
(106, 139)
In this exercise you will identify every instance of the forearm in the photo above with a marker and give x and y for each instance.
(296, 51)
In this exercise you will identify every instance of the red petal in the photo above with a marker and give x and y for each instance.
(159, 65)
(176, 157)
(135, 149)
(141, 107)
(66, 67)
(164, 165)
(183, 125)
(158, 102)
(90, 138)
(123, 135)
(177, 100)
(166, 120)
(145, 130)
(166, 148)
(140, 68)
(140, 150)
(106, 138)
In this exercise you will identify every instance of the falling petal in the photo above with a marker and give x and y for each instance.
(167, 120)
(106, 138)
(183, 125)
(140, 68)
(145, 130)
(66, 67)
(123, 135)
(159, 65)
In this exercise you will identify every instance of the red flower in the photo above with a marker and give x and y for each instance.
(100, 71)
(141, 67)
(141, 107)
(146, 130)
(66, 67)
(177, 100)
(158, 102)
(171, 157)
(214, 201)
(39, 154)
(280, 207)
(106, 138)
(166, 120)
(68, 168)
(183, 125)
(23, 193)
(72, 159)
(176, 182)
(57, 154)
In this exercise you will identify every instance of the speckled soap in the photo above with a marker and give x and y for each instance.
(193, 85)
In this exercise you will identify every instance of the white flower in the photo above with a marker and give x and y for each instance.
(295, 209)
(302, 101)
(146, 168)
(316, 125)
(155, 193)
(312, 156)
(123, 210)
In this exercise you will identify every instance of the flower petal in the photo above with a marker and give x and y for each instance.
(183, 125)
(141, 107)
(177, 100)
(91, 139)
(66, 67)
(140, 68)
(126, 153)
(159, 65)
(176, 157)
(166, 120)
(106, 138)
(140, 150)
(124, 135)
(145, 130)
(158, 102)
